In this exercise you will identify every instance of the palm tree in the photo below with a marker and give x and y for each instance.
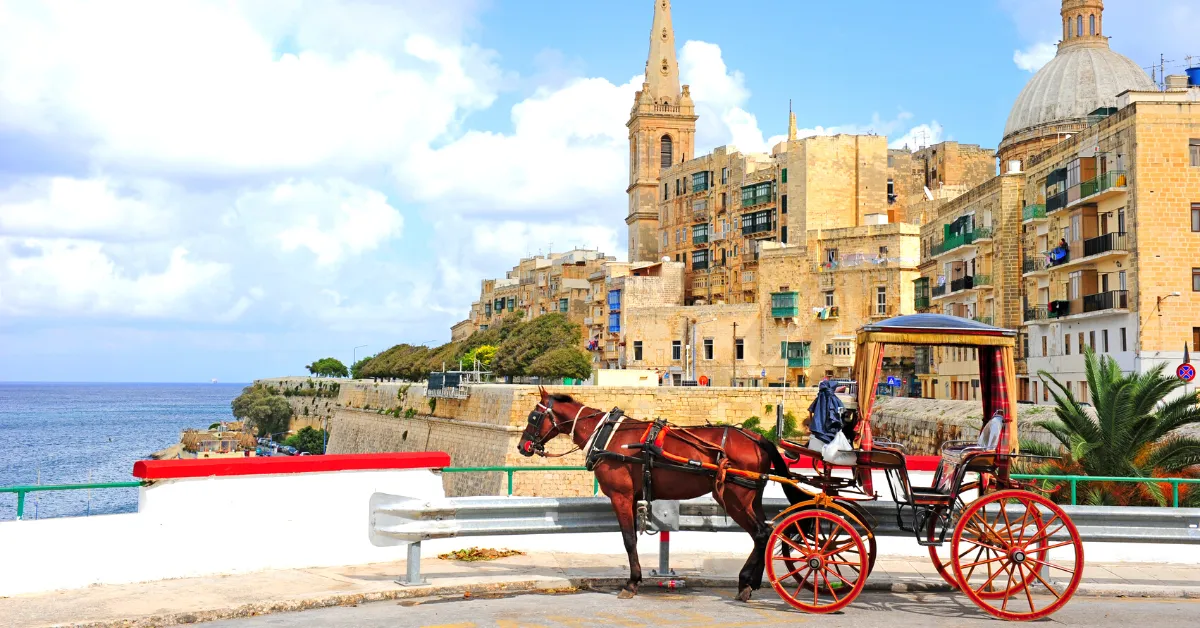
(1130, 430)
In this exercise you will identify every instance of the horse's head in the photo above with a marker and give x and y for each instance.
(544, 422)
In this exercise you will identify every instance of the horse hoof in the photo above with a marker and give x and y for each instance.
(625, 594)
(744, 594)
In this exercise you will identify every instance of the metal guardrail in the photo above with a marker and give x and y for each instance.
(395, 520)
(21, 491)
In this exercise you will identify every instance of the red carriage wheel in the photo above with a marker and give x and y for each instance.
(828, 553)
(1017, 555)
(794, 533)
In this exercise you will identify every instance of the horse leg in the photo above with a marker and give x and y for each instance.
(744, 506)
(623, 505)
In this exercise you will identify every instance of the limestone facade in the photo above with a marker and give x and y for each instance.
(1124, 197)
(541, 284)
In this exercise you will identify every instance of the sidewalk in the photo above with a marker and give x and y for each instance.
(191, 600)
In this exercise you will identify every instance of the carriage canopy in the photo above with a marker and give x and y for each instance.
(995, 345)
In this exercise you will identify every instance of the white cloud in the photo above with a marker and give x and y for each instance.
(79, 278)
(82, 208)
(331, 220)
(144, 83)
(1034, 57)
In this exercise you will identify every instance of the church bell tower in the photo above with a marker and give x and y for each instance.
(662, 133)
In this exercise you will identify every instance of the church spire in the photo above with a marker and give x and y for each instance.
(791, 122)
(662, 70)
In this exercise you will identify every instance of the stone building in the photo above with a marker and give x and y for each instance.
(970, 268)
(1112, 240)
(1082, 81)
(540, 284)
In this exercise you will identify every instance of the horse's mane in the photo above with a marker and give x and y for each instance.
(562, 398)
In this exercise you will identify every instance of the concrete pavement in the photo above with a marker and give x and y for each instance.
(190, 600)
(712, 608)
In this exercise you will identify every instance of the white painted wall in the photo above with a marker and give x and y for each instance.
(1070, 368)
(216, 525)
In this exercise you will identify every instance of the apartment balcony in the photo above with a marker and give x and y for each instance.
(838, 359)
(1034, 265)
(983, 234)
(758, 227)
(785, 304)
(718, 236)
(962, 283)
(1058, 309)
(1044, 261)
(1035, 314)
(828, 313)
(1105, 186)
(1056, 202)
(921, 302)
(825, 282)
(1034, 213)
(1115, 244)
(983, 281)
(799, 363)
(701, 215)
(700, 238)
(700, 265)
(1111, 300)
(967, 238)
(938, 291)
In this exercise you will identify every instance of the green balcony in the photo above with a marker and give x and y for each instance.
(986, 320)
(785, 304)
(700, 238)
(799, 363)
(982, 280)
(797, 354)
(921, 303)
(953, 242)
(1033, 212)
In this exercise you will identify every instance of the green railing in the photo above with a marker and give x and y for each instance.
(21, 491)
(1110, 179)
(953, 242)
(981, 280)
(1033, 212)
(510, 471)
(1074, 481)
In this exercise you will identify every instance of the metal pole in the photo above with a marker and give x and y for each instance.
(412, 577)
(664, 556)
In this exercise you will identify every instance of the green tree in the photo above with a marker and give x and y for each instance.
(564, 362)
(356, 369)
(529, 340)
(484, 353)
(328, 367)
(308, 439)
(1131, 430)
(263, 409)
(791, 427)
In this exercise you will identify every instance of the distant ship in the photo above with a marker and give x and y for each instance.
(214, 380)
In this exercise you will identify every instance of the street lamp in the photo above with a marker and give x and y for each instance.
(692, 345)
(1158, 305)
(354, 360)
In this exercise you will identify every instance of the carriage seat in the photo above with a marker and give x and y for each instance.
(954, 453)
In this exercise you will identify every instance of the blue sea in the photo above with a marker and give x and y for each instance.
(77, 433)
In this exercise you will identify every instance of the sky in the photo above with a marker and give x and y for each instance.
(232, 189)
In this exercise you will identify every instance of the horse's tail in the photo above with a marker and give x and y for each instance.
(780, 467)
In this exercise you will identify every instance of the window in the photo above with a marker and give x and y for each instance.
(700, 259)
(564, 305)
(785, 175)
(1196, 338)
(783, 235)
(1104, 339)
(829, 299)
(1121, 220)
(883, 253)
(1066, 344)
(891, 193)
(783, 204)
(881, 301)
(665, 154)
(1195, 216)
(678, 187)
(676, 350)
(724, 176)
(1083, 390)
(1080, 347)
(1124, 345)
(1121, 280)
(1045, 353)
(666, 192)
(614, 322)
(1194, 148)
(512, 303)
(1079, 25)
(664, 244)
(1092, 340)
(708, 348)
(1196, 279)
(722, 200)
(1074, 285)
(637, 350)
(700, 181)
(739, 349)
(1092, 26)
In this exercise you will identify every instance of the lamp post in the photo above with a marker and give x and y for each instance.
(354, 359)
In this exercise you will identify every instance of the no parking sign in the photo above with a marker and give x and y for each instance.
(1186, 372)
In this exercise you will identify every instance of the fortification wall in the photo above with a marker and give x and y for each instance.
(483, 430)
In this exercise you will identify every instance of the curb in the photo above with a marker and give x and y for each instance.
(553, 584)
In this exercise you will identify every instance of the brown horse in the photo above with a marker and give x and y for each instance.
(621, 480)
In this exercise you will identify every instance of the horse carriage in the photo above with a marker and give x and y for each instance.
(1012, 551)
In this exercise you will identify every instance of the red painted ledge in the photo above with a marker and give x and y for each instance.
(208, 467)
(915, 463)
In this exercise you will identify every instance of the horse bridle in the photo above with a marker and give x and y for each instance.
(537, 444)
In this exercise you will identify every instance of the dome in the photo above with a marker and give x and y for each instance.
(1078, 80)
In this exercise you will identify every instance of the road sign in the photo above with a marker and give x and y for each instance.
(1186, 372)
(764, 372)
(893, 381)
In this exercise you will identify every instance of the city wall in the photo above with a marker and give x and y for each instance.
(484, 429)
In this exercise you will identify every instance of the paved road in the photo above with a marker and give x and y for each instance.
(705, 608)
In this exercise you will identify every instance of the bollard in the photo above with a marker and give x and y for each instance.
(664, 556)
(413, 567)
